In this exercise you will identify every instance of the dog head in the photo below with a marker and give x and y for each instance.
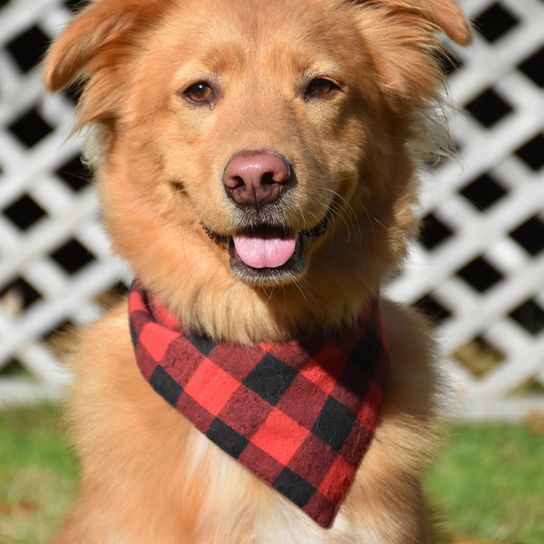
(257, 148)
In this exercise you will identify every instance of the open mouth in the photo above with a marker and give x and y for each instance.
(268, 253)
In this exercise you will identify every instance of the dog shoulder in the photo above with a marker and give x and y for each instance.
(413, 349)
(100, 352)
(406, 436)
(109, 399)
(416, 384)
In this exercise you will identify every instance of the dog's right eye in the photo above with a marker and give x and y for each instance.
(200, 93)
(320, 87)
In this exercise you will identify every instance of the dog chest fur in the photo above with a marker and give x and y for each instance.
(134, 446)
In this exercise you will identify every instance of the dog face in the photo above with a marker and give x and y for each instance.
(263, 142)
(261, 135)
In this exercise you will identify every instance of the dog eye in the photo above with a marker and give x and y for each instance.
(320, 88)
(200, 93)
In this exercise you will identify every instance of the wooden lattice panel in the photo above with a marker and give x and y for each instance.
(478, 270)
(55, 259)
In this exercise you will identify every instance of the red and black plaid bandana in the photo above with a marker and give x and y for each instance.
(300, 415)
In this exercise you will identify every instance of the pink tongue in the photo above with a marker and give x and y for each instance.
(264, 252)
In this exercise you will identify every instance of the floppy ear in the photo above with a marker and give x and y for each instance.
(98, 26)
(95, 48)
(444, 14)
(402, 35)
(447, 16)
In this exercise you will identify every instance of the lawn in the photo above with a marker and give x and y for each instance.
(38, 474)
(489, 481)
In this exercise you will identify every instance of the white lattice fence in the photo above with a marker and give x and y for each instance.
(479, 269)
(55, 257)
(480, 266)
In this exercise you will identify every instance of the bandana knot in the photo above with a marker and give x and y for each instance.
(300, 414)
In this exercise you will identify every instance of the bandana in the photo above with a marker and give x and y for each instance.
(300, 414)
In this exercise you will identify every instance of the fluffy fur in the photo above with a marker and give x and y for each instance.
(148, 475)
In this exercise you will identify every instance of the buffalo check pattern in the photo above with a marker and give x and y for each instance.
(300, 414)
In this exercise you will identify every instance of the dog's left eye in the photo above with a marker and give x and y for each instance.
(320, 88)
(200, 93)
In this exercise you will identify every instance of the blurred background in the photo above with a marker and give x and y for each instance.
(477, 272)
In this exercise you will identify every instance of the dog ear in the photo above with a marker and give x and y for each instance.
(445, 15)
(403, 35)
(95, 49)
(98, 27)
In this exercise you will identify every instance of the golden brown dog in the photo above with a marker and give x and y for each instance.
(229, 129)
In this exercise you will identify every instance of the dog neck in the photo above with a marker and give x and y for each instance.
(300, 414)
(225, 308)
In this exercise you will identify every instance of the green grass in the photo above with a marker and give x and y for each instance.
(489, 481)
(38, 474)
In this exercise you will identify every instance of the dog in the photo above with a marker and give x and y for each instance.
(256, 169)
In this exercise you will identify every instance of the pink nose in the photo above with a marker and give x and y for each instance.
(256, 178)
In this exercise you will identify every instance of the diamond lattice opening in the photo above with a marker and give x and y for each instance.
(532, 153)
(533, 67)
(14, 369)
(433, 309)
(28, 48)
(72, 257)
(495, 22)
(532, 386)
(480, 275)
(74, 173)
(18, 296)
(24, 212)
(529, 316)
(488, 108)
(434, 232)
(530, 235)
(30, 128)
(483, 192)
(479, 356)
